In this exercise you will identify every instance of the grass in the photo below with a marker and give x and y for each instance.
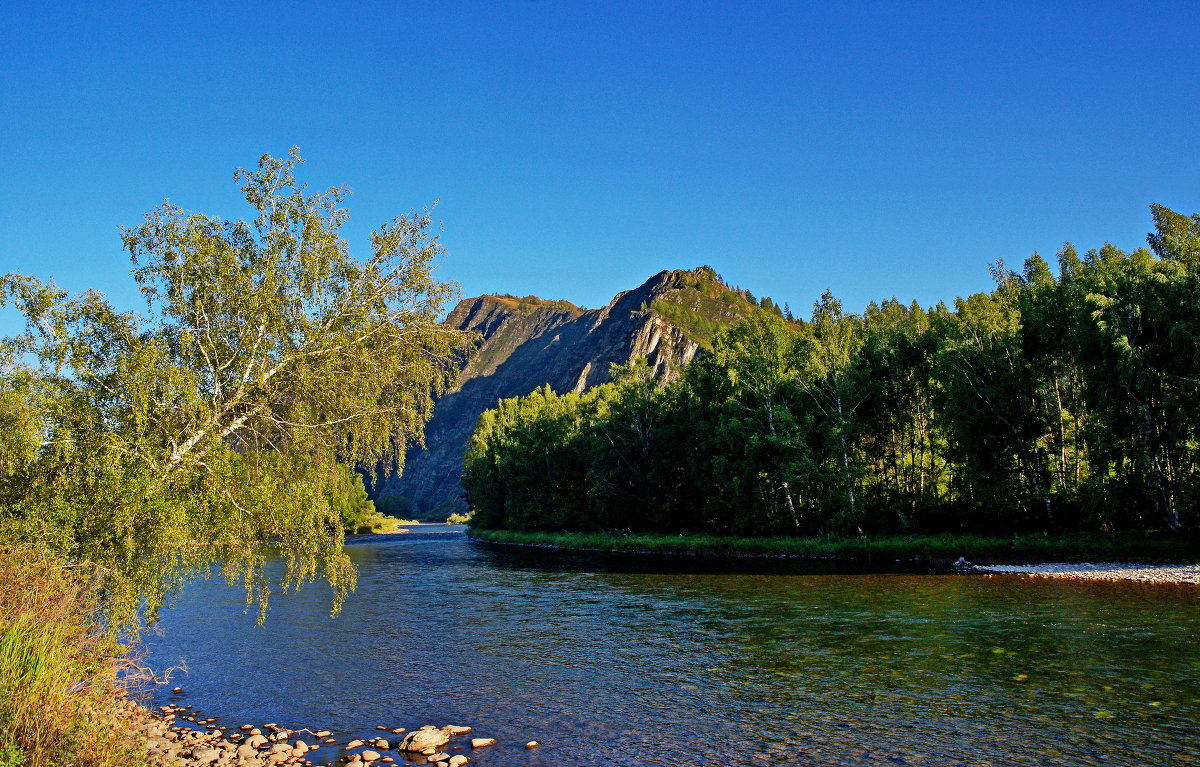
(944, 547)
(60, 702)
(391, 523)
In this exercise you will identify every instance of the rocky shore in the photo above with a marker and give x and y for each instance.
(1103, 571)
(181, 736)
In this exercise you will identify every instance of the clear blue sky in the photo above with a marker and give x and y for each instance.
(876, 149)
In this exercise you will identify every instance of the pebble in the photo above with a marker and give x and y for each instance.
(204, 753)
(247, 746)
(1103, 571)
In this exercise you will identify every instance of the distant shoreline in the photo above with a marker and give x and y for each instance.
(398, 530)
(938, 551)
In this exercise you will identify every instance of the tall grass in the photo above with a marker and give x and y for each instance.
(60, 702)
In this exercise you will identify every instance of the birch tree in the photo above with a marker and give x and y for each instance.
(269, 358)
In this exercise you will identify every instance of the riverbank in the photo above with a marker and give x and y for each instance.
(180, 735)
(943, 549)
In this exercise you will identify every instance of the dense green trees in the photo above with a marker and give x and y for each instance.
(1051, 402)
(223, 418)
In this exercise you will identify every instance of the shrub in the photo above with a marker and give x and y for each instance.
(60, 701)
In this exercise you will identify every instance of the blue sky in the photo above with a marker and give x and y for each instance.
(876, 149)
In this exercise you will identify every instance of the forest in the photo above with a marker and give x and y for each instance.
(1062, 400)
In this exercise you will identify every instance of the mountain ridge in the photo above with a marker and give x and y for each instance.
(524, 343)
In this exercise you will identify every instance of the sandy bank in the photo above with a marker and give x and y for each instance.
(1103, 571)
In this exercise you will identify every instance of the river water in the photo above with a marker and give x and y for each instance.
(692, 661)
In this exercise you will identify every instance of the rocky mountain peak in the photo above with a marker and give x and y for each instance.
(524, 343)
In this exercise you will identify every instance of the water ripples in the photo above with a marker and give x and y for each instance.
(612, 664)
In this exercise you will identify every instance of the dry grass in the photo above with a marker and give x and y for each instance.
(60, 703)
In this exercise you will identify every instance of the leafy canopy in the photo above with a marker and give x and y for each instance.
(224, 417)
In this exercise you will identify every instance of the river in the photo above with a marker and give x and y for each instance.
(688, 661)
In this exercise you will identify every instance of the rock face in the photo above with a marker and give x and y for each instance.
(527, 343)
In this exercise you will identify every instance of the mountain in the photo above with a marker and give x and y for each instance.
(524, 343)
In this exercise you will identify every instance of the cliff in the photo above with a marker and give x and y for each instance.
(523, 343)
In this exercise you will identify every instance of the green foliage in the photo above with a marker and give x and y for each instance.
(1049, 403)
(349, 497)
(11, 755)
(458, 519)
(217, 426)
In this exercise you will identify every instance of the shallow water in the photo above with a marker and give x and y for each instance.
(624, 660)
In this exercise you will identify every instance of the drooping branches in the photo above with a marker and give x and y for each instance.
(268, 360)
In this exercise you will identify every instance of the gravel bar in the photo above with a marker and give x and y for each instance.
(1103, 571)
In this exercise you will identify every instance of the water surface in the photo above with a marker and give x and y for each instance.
(629, 660)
